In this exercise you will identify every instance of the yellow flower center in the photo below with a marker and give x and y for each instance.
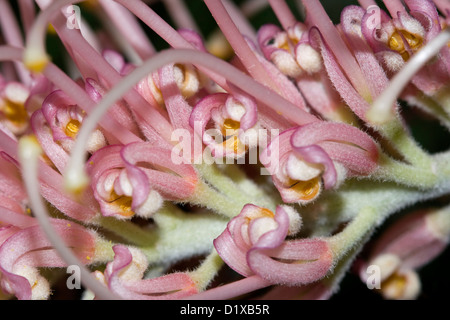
(306, 190)
(394, 286)
(229, 126)
(15, 113)
(398, 39)
(72, 128)
(123, 203)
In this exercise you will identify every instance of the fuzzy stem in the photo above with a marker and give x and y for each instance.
(216, 201)
(351, 236)
(203, 275)
(405, 174)
(381, 110)
(406, 145)
(126, 229)
(29, 152)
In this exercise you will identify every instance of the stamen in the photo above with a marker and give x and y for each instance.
(29, 152)
(229, 126)
(381, 110)
(35, 56)
(397, 43)
(72, 128)
(15, 112)
(306, 190)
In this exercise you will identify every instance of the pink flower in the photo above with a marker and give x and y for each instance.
(124, 277)
(254, 243)
(27, 249)
(410, 243)
(303, 159)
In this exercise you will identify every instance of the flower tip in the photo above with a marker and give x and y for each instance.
(75, 181)
(379, 115)
(35, 60)
(29, 148)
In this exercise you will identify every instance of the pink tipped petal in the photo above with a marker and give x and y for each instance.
(411, 239)
(273, 239)
(174, 181)
(52, 149)
(342, 142)
(250, 116)
(266, 39)
(30, 248)
(201, 114)
(193, 38)
(14, 217)
(179, 110)
(115, 59)
(353, 99)
(351, 21)
(315, 154)
(171, 286)
(232, 255)
(294, 263)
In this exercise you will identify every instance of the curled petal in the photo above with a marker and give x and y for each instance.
(344, 143)
(171, 286)
(174, 181)
(254, 243)
(293, 263)
(29, 248)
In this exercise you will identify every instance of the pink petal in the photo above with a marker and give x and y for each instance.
(342, 142)
(313, 257)
(232, 255)
(27, 246)
(171, 286)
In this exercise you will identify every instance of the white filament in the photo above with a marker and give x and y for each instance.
(29, 152)
(381, 110)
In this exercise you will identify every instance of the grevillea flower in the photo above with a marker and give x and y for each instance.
(25, 250)
(254, 243)
(227, 123)
(14, 115)
(318, 155)
(124, 276)
(112, 151)
(409, 244)
(123, 188)
(395, 40)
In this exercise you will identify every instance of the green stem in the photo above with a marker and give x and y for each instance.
(421, 177)
(128, 230)
(214, 200)
(357, 230)
(208, 269)
(406, 145)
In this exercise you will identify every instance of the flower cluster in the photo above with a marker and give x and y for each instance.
(276, 150)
